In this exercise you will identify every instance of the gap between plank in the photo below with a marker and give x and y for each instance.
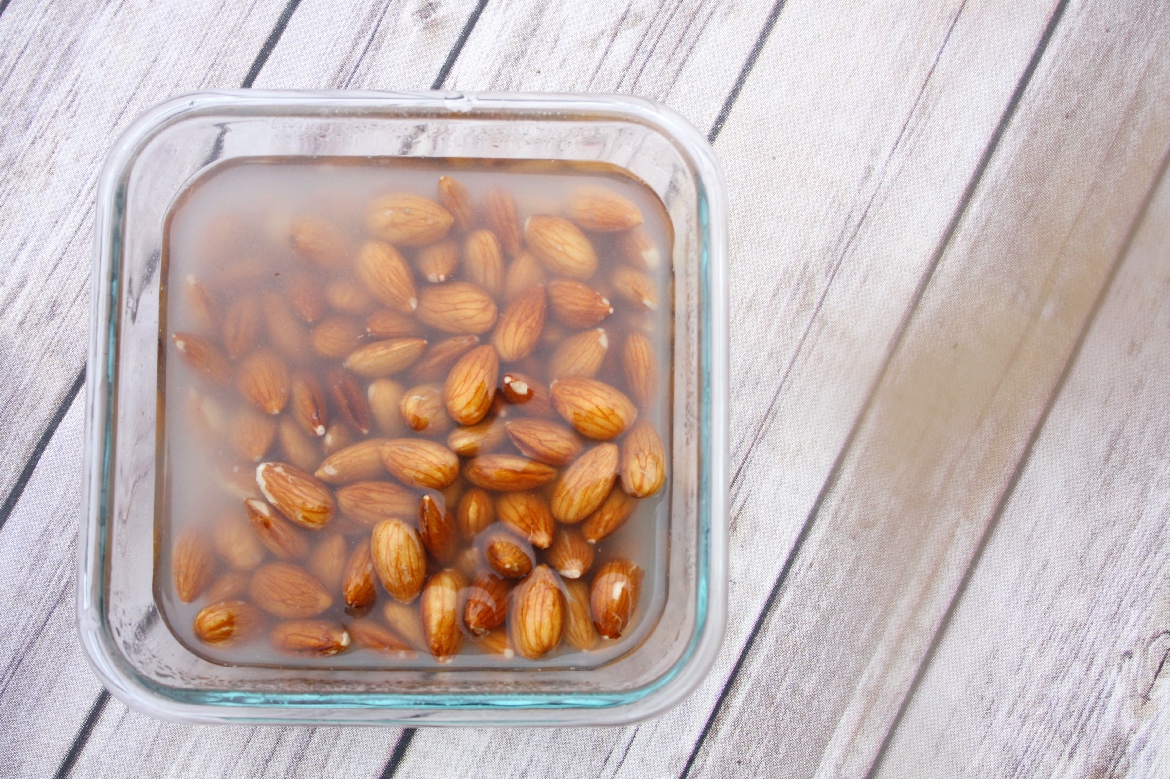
(830, 482)
(3, 5)
(82, 736)
(400, 747)
(270, 44)
(1017, 473)
(453, 55)
(748, 64)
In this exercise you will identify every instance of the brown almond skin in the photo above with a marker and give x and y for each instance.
(576, 304)
(523, 272)
(309, 407)
(388, 323)
(436, 362)
(457, 307)
(368, 634)
(537, 617)
(227, 621)
(286, 330)
(385, 398)
(585, 484)
(405, 621)
(613, 598)
(508, 555)
(357, 581)
(602, 210)
(476, 512)
(251, 434)
(638, 249)
(399, 559)
(439, 608)
(337, 337)
(640, 368)
(321, 243)
(635, 287)
(370, 502)
(581, 354)
(192, 565)
(499, 210)
(240, 329)
(203, 357)
(202, 303)
(297, 446)
(487, 603)
(496, 643)
(437, 263)
(408, 220)
(611, 515)
(338, 436)
(528, 514)
(643, 467)
(532, 396)
(518, 331)
(419, 463)
(483, 261)
(383, 271)
(471, 385)
(296, 494)
(327, 560)
(579, 631)
(570, 555)
(312, 637)
(544, 440)
(385, 358)
(437, 528)
(595, 409)
(507, 472)
(304, 295)
(288, 591)
(229, 586)
(346, 296)
(561, 246)
(358, 462)
(421, 409)
(457, 200)
(349, 399)
(264, 381)
(276, 533)
(236, 543)
(480, 438)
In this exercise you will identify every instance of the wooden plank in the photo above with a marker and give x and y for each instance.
(886, 131)
(957, 404)
(1071, 681)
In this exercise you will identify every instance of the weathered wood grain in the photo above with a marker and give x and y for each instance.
(1053, 663)
(954, 411)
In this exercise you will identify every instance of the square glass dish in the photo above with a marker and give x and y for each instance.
(236, 567)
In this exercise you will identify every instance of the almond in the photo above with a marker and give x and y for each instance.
(570, 554)
(507, 554)
(418, 463)
(288, 591)
(457, 200)
(579, 631)
(285, 329)
(387, 323)
(436, 363)
(483, 261)
(276, 533)
(297, 495)
(471, 385)
(313, 637)
(336, 337)
(496, 643)
(579, 355)
(643, 465)
(635, 287)
(528, 514)
(640, 368)
(399, 559)
(469, 562)
(499, 210)
(327, 561)
(241, 325)
(348, 297)
(308, 404)
(602, 210)
(561, 246)
(320, 242)
(207, 416)
(522, 390)
(437, 262)
(439, 609)
(358, 462)
(436, 527)
(544, 440)
(487, 603)
(519, 328)
(338, 436)
(368, 634)
(638, 249)
(230, 586)
(357, 581)
(585, 484)
(304, 296)
(203, 357)
(192, 565)
(422, 410)
(404, 620)
(594, 408)
(476, 512)
(298, 447)
(227, 621)
(537, 617)
(457, 307)
(576, 304)
(523, 272)
(386, 276)
(264, 381)
(238, 480)
(203, 306)
(408, 220)
(385, 397)
(349, 399)
(251, 434)
(613, 598)
(385, 358)
(370, 502)
(507, 472)
(476, 439)
(611, 515)
(236, 544)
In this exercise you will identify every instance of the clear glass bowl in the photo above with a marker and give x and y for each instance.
(132, 649)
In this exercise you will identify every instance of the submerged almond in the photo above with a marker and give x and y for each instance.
(251, 434)
(499, 209)
(309, 407)
(421, 409)
(457, 307)
(507, 472)
(436, 362)
(579, 355)
(476, 512)
(277, 534)
(480, 438)
(643, 466)
(349, 399)
(296, 494)
(241, 326)
(602, 210)
(288, 591)
(360, 461)
(385, 358)
(613, 597)
(203, 357)
(408, 220)
(527, 514)
(570, 554)
(336, 337)
(518, 331)
(579, 631)
(471, 385)
(483, 261)
(313, 637)
(419, 463)
(192, 565)
(264, 381)
(399, 559)
(357, 581)
(438, 261)
(227, 621)
(537, 617)
(640, 368)
(457, 200)
(507, 554)
(585, 484)
(320, 242)
(368, 634)
(439, 609)
(487, 603)
(609, 516)
(561, 246)
(544, 440)
(370, 502)
(386, 276)
(576, 304)
(594, 408)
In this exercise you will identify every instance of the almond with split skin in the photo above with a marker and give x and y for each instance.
(419, 463)
(203, 357)
(576, 304)
(251, 434)
(602, 210)
(357, 582)
(264, 381)
(455, 197)
(561, 246)
(421, 409)
(439, 609)
(499, 211)
(579, 631)
(640, 368)
(483, 261)
(437, 528)
(438, 262)
(507, 472)
(518, 331)
(522, 390)
(595, 409)
(544, 440)
(277, 534)
(192, 565)
(570, 555)
(613, 598)
(487, 603)
(297, 495)
(388, 323)
(458, 307)
(312, 637)
(528, 514)
(579, 355)
(349, 399)
(476, 512)
(610, 515)
(408, 220)
(383, 271)
(227, 621)
(359, 462)
(368, 634)
(288, 591)
(399, 559)
(337, 337)
(523, 272)
(480, 438)
(643, 466)
(321, 243)
(370, 502)
(309, 407)
(241, 326)
(471, 385)
(585, 484)
(537, 617)
(508, 555)
(385, 358)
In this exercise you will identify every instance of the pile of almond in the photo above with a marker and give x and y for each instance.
(427, 428)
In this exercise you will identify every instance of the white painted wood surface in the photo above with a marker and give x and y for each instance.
(854, 140)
